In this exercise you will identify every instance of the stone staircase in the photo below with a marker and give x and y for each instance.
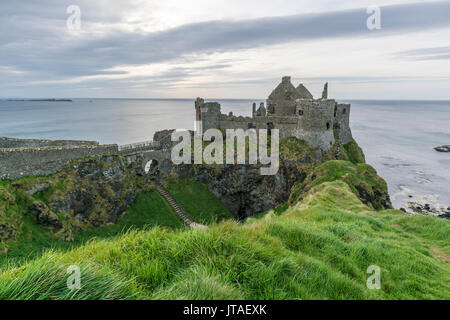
(178, 210)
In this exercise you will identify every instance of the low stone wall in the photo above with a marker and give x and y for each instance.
(20, 162)
(6, 142)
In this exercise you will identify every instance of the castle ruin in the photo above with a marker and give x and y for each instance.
(293, 111)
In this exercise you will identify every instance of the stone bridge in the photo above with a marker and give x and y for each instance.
(138, 147)
(145, 162)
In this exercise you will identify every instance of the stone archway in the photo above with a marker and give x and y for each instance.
(151, 167)
(150, 162)
(154, 161)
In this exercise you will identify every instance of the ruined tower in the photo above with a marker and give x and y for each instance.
(325, 91)
(342, 123)
(281, 101)
(303, 92)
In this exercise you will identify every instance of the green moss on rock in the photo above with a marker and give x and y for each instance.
(354, 152)
(362, 179)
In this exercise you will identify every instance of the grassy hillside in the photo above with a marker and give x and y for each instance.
(362, 179)
(318, 245)
(199, 204)
(149, 209)
(319, 248)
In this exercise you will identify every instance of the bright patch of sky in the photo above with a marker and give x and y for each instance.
(223, 49)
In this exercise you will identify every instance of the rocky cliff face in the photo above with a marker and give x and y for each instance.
(91, 192)
(245, 192)
(242, 189)
(98, 191)
(102, 192)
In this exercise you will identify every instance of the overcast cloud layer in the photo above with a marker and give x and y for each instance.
(122, 52)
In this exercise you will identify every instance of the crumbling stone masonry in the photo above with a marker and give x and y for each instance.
(292, 110)
(30, 157)
(6, 142)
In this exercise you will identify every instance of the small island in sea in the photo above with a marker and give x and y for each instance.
(42, 100)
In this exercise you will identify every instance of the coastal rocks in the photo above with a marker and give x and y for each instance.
(443, 148)
(413, 207)
(44, 216)
(427, 204)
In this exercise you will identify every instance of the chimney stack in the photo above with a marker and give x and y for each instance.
(325, 91)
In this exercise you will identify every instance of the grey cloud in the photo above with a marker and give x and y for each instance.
(436, 53)
(320, 80)
(40, 46)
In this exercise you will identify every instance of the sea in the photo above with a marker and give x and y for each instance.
(398, 136)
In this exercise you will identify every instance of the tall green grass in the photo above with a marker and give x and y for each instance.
(318, 249)
(196, 200)
(149, 209)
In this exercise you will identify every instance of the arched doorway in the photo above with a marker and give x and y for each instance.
(151, 167)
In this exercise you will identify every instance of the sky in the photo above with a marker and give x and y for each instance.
(223, 48)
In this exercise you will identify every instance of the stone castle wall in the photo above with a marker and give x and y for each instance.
(208, 114)
(316, 115)
(312, 121)
(316, 122)
(233, 122)
(20, 162)
(342, 123)
(6, 142)
(282, 100)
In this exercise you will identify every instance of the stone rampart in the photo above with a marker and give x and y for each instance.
(6, 142)
(31, 161)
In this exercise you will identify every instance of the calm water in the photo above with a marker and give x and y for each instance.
(397, 136)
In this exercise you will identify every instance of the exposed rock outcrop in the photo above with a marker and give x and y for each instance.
(101, 193)
(44, 216)
(427, 209)
(38, 188)
(242, 189)
(91, 192)
(97, 191)
(443, 148)
(245, 192)
(6, 232)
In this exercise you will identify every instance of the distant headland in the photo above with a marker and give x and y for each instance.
(41, 100)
